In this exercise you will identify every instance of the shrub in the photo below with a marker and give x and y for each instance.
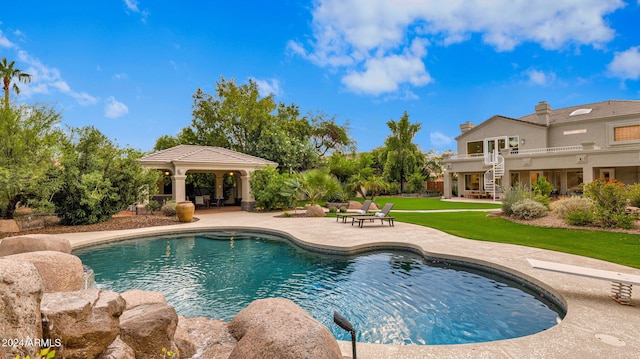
(579, 217)
(513, 196)
(634, 195)
(542, 187)
(333, 209)
(528, 209)
(153, 205)
(564, 206)
(610, 198)
(267, 188)
(169, 208)
(343, 209)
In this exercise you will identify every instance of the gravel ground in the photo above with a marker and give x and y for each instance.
(552, 220)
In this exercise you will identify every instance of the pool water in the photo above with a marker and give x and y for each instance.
(391, 297)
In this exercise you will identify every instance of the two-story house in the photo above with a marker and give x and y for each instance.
(567, 146)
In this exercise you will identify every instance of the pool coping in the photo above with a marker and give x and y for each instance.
(595, 326)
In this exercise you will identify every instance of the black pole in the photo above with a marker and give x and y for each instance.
(344, 324)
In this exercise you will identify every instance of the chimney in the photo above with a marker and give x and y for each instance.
(466, 126)
(543, 111)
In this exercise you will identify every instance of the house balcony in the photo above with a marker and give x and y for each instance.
(507, 153)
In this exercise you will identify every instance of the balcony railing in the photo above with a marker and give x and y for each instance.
(521, 152)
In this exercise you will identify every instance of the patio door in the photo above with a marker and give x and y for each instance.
(492, 144)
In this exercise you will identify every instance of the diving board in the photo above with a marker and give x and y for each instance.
(621, 283)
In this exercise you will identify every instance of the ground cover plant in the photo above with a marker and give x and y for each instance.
(616, 247)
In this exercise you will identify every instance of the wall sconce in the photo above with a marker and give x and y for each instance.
(166, 173)
(230, 173)
(522, 141)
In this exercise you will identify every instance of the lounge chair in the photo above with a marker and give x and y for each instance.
(199, 201)
(383, 215)
(361, 212)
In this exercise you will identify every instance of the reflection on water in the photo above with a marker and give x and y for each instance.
(390, 297)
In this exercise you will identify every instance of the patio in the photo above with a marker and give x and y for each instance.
(595, 326)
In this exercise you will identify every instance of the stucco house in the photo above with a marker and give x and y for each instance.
(567, 146)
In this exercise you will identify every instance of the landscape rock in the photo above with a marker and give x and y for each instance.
(85, 321)
(21, 291)
(118, 350)
(136, 297)
(148, 328)
(9, 226)
(60, 272)
(315, 211)
(34, 243)
(203, 338)
(279, 328)
(373, 207)
(354, 205)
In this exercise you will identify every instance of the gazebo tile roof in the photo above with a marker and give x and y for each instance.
(203, 154)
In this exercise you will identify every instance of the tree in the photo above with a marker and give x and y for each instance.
(8, 72)
(266, 187)
(28, 140)
(400, 154)
(314, 185)
(100, 178)
(327, 136)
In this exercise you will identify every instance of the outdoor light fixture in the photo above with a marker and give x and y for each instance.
(166, 173)
(344, 324)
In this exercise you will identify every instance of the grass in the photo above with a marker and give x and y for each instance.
(621, 248)
(432, 203)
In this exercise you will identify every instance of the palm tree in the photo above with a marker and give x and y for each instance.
(7, 72)
(402, 155)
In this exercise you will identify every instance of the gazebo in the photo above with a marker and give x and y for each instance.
(179, 160)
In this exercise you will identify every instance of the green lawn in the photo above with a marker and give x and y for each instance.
(431, 204)
(614, 247)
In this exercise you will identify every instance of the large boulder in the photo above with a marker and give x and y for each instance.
(148, 328)
(353, 205)
(315, 211)
(136, 297)
(203, 338)
(60, 272)
(118, 350)
(279, 328)
(20, 296)
(86, 321)
(34, 243)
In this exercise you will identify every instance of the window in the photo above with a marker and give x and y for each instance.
(626, 133)
(474, 147)
(472, 182)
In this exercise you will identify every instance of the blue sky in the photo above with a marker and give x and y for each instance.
(130, 67)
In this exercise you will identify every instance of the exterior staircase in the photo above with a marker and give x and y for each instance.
(496, 172)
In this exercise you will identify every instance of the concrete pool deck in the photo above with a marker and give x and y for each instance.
(595, 326)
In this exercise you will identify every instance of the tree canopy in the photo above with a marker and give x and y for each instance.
(400, 156)
(239, 118)
(8, 72)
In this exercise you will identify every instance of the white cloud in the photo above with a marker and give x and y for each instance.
(45, 80)
(360, 36)
(268, 86)
(120, 76)
(132, 5)
(626, 64)
(384, 74)
(540, 78)
(4, 42)
(115, 108)
(440, 139)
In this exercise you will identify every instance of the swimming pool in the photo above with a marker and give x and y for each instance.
(391, 296)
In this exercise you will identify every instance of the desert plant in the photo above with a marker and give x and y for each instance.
(566, 205)
(579, 217)
(169, 208)
(514, 195)
(634, 195)
(153, 205)
(610, 198)
(333, 209)
(528, 209)
(343, 209)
